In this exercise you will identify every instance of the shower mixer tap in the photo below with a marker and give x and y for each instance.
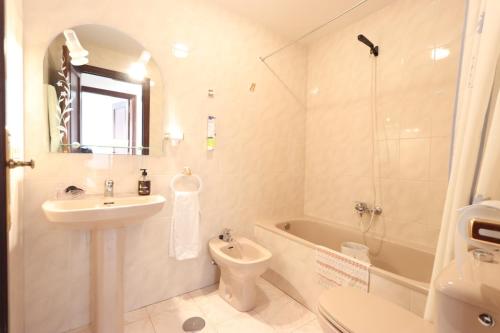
(362, 208)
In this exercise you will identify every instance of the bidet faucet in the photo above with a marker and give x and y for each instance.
(226, 236)
(108, 188)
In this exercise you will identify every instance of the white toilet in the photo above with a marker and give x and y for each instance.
(470, 305)
(350, 310)
(462, 306)
(241, 261)
(467, 291)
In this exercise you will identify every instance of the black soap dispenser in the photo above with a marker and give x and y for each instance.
(144, 187)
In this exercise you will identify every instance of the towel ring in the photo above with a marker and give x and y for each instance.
(186, 173)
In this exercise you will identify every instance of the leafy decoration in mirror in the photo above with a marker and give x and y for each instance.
(64, 101)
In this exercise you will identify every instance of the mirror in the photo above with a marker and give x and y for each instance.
(104, 93)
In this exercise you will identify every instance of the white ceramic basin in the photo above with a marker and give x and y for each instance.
(102, 212)
(105, 217)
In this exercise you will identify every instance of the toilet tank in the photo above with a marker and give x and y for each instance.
(469, 301)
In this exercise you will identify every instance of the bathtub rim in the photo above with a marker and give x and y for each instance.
(270, 225)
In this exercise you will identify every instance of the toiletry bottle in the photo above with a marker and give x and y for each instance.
(211, 133)
(144, 187)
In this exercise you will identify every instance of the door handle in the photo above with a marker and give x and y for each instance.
(11, 164)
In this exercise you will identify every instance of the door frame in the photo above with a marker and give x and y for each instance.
(4, 234)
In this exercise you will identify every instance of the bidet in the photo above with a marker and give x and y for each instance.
(241, 261)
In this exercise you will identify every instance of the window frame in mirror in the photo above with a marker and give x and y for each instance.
(76, 92)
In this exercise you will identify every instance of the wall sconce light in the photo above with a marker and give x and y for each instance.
(440, 53)
(180, 50)
(175, 137)
(79, 56)
(137, 70)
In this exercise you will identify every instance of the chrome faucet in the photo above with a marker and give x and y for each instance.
(108, 188)
(363, 208)
(226, 235)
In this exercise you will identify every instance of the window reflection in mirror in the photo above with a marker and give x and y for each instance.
(104, 93)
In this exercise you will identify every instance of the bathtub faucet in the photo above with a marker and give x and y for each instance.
(363, 208)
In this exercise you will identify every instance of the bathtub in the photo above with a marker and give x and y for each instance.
(399, 274)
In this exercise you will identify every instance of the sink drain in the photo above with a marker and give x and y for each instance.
(193, 324)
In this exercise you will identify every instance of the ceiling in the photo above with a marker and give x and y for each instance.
(294, 18)
(289, 18)
(109, 38)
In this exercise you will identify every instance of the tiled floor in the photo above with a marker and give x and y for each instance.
(275, 312)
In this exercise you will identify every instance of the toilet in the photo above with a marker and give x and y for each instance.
(467, 290)
(240, 261)
(351, 310)
(466, 305)
(462, 305)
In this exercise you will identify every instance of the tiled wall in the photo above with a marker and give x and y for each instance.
(256, 171)
(415, 96)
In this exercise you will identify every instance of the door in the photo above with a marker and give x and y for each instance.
(4, 311)
(11, 176)
(120, 121)
(121, 127)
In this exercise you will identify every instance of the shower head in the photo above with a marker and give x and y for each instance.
(367, 42)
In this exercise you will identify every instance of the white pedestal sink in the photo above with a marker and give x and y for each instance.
(105, 218)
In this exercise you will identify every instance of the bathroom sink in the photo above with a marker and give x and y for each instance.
(105, 218)
(102, 212)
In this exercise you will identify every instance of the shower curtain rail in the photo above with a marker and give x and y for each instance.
(313, 31)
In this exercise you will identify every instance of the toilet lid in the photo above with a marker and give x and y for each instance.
(358, 312)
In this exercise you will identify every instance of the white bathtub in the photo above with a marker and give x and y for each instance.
(399, 274)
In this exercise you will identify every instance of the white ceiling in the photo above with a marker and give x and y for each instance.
(108, 38)
(294, 18)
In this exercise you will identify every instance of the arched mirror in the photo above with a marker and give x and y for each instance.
(104, 93)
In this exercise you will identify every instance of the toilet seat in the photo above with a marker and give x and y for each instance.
(328, 326)
(350, 310)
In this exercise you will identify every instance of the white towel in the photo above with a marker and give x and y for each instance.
(184, 230)
(54, 114)
(336, 269)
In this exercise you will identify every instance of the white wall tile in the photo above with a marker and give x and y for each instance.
(265, 165)
(414, 108)
(257, 170)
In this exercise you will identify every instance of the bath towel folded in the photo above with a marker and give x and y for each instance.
(184, 230)
(336, 269)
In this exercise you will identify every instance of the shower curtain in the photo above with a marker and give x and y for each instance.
(489, 177)
(479, 57)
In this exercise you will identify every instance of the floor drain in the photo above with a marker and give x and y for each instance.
(193, 324)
